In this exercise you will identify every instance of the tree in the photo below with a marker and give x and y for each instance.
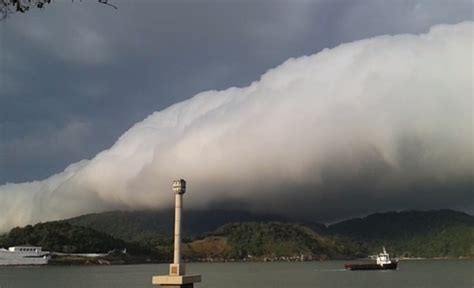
(8, 7)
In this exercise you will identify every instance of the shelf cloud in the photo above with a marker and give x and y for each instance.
(377, 124)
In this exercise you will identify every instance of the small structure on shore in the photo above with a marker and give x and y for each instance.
(177, 277)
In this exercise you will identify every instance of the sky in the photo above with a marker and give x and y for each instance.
(76, 76)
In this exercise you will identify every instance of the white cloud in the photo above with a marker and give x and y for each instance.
(380, 121)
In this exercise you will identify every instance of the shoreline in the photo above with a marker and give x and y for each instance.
(77, 261)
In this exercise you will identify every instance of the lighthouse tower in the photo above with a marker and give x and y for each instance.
(177, 277)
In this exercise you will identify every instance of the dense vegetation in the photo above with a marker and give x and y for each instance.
(443, 233)
(276, 240)
(62, 237)
(150, 225)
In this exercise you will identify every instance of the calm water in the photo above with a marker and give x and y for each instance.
(423, 273)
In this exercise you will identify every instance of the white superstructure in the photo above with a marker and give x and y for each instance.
(24, 255)
(383, 258)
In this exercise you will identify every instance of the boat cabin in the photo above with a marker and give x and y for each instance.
(383, 258)
(29, 249)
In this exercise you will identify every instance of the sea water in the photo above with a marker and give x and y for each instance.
(330, 274)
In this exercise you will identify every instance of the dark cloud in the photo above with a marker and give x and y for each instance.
(75, 76)
(378, 124)
(88, 63)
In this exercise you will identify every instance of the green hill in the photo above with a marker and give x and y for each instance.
(440, 233)
(271, 240)
(237, 235)
(62, 237)
(437, 233)
(148, 224)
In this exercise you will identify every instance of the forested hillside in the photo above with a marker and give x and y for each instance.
(275, 240)
(62, 237)
(236, 235)
(440, 233)
(149, 224)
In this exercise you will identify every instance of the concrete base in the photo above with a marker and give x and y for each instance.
(177, 269)
(178, 286)
(169, 281)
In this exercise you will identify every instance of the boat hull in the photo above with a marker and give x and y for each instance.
(9, 258)
(23, 262)
(371, 266)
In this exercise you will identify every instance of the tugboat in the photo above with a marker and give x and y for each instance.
(383, 263)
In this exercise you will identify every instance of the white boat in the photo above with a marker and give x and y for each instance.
(24, 255)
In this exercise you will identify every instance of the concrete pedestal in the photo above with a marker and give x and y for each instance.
(168, 281)
(177, 270)
(178, 286)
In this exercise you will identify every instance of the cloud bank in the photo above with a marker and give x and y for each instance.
(382, 123)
